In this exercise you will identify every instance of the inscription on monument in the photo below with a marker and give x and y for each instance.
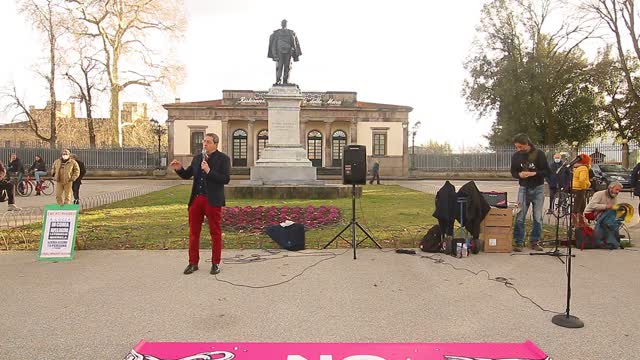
(309, 99)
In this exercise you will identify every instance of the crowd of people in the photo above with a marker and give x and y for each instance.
(575, 178)
(67, 172)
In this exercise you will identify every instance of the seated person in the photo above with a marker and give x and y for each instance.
(606, 234)
(602, 201)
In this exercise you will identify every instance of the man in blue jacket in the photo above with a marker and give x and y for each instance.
(210, 171)
(554, 179)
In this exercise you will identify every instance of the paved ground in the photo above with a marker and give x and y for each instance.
(88, 189)
(102, 303)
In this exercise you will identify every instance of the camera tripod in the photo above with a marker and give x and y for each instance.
(353, 224)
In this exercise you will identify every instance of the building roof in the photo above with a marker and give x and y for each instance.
(220, 103)
(15, 125)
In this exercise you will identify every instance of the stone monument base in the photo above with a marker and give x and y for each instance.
(286, 174)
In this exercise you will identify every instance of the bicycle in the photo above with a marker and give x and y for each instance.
(46, 186)
(20, 188)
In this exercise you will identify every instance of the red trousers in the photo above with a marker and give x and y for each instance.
(198, 209)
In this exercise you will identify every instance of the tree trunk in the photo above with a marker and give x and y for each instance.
(52, 82)
(89, 104)
(115, 95)
(92, 131)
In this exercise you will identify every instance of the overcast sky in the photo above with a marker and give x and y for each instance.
(397, 52)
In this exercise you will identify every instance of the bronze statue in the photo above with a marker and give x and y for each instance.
(283, 46)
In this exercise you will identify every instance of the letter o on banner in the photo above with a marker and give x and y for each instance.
(363, 357)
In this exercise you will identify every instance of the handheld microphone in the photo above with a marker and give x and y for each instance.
(204, 154)
(574, 161)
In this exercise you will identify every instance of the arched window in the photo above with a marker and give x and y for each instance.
(314, 147)
(338, 142)
(263, 139)
(239, 148)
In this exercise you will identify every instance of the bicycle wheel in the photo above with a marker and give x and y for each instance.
(47, 187)
(24, 188)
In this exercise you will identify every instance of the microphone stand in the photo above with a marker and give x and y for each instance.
(566, 319)
(558, 215)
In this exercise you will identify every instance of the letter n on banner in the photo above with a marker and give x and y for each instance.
(58, 238)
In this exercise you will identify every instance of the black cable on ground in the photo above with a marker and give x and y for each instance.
(329, 256)
(499, 279)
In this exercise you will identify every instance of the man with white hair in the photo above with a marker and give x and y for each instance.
(602, 201)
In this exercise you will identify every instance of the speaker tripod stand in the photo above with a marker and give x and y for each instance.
(352, 225)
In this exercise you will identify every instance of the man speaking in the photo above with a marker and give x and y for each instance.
(210, 171)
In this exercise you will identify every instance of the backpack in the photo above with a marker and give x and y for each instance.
(432, 240)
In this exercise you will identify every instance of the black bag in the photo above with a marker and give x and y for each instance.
(290, 237)
(3, 195)
(432, 240)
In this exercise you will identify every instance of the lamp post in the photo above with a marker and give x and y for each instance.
(416, 126)
(159, 131)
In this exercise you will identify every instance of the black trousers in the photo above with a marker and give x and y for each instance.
(8, 188)
(75, 187)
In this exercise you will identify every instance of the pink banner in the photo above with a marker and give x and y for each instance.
(334, 351)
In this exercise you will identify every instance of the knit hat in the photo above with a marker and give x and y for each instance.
(585, 159)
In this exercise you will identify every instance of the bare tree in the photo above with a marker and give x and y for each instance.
(86, 84)
(48, 17)
(620, 16)
(126, 31)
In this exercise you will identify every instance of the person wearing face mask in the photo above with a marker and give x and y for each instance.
(64, 171)
(602, 201)
(554, 179)
(529, 165)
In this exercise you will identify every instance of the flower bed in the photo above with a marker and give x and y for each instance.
(256, 219)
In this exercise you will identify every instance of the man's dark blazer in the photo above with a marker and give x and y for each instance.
(220, 166)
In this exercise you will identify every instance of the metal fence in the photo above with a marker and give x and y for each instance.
(105, 158)
(499, 159)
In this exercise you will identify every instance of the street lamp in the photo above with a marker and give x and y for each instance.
(416, 126)
(159, 131)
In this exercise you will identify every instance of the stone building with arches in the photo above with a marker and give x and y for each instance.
(328, 122)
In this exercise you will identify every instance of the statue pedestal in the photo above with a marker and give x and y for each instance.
(284, 160)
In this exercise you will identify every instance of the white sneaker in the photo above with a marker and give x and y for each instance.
(13, 207)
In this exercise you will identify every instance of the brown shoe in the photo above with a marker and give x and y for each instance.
(536, 247)
(517, 248)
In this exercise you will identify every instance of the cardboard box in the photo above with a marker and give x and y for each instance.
(498, 239)
(498, 218)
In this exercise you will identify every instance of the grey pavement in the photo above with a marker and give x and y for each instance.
(89, 188)
(103, 302)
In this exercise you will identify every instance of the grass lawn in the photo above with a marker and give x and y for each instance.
(395, 216)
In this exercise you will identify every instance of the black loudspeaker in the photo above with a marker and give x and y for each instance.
(354, 165)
